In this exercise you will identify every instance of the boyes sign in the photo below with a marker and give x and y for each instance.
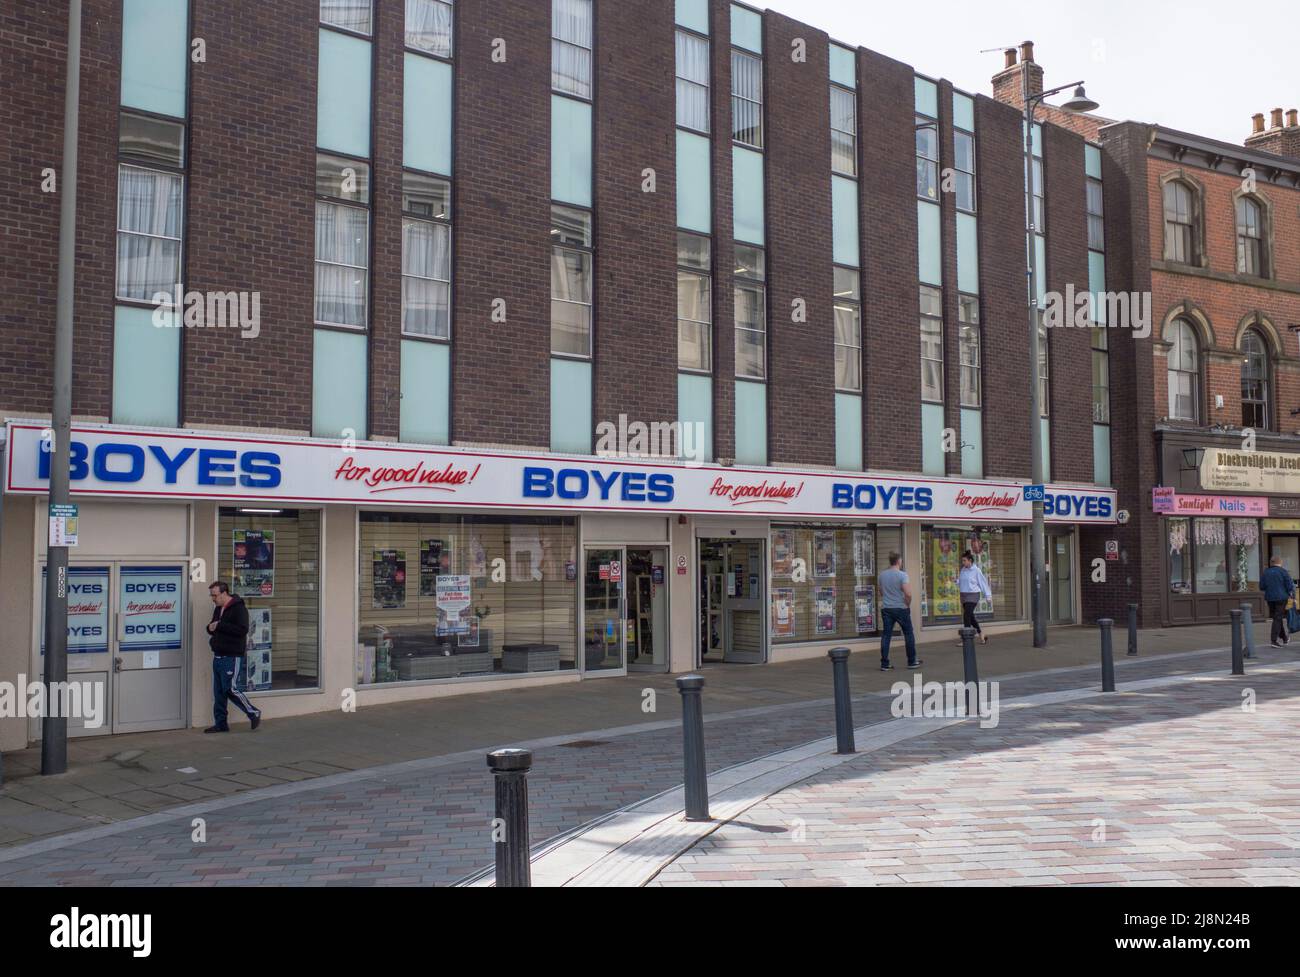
(118, 462)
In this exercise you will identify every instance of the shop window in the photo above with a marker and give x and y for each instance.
(1243, 554)
(271, 558)
(824, 581)
(997, 551)
(1178, 533)
(1211, 557)
(444, 597)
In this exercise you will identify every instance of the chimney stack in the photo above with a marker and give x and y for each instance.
(1009, 83)
(1279, 139)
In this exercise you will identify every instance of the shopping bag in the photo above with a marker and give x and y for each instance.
(1292, 620)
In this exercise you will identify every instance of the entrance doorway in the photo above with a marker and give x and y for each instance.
(1287, 547)
(1060, 578)
(625, 609)
(126, 642)
(732, 624)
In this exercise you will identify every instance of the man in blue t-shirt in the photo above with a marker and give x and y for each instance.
(895, 607)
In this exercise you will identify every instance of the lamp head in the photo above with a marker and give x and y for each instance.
(1079, 102)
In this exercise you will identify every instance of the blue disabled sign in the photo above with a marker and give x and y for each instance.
(1035, 493)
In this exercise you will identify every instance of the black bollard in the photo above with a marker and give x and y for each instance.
(1248, 629)
(510, 771)
(1107, 655)
(843, 703)
(1238, 661)
(1132, 629)
(970, 668)
(696, 778)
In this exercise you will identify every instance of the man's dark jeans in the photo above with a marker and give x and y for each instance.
(228, 685)
(1277, 611)
(903, 617)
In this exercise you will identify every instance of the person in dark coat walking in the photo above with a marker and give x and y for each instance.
(1278, 588)
(228, 638)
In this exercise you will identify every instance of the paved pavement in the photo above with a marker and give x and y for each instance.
(425, 820)
(116, 778)
(1176, 786)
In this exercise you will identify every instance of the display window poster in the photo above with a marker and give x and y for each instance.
(477, 557)
(945, 600)
(389, 583)
(149, 602)
(258, 658)
(454, 596)
(783, 613)
(782, 553)
(434, 559)
(864, 608)
(823, 554)
(825, 610)
(864, 553)
(469, 639)
(87, 610)
(253, 574)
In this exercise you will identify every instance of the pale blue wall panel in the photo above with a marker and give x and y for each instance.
(343, 94)
(426, 114)
(338, 387)
(751, 423)
(146, 367)
(155, 54)
(426, 388)
(571, 425)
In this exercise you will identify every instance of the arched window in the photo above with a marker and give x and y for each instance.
(1250, 237)
(1184, 371)
(1254, 381)
(1180, 223)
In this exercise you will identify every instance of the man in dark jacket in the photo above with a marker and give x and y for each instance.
(229, 641)
(1278, 588)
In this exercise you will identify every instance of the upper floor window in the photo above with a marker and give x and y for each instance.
(931, 344)
(1180, 223)
(571, 47)
(426, 256)
(1096, 216)
(571, 275)
(692, 82)
(968, 348)
(694, 303)
(747, 99)
(1250, 237)
(351, 15)
(150, 206)
(844, 131)
(428, 26)
(1184, 372)
(751, 313)
(1255, 411)
(927, 158)
(848, 330)
(964, 169)
(342, 241)
(1044, 372)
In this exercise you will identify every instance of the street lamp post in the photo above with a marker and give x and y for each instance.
(54, 729)
(1079, 102)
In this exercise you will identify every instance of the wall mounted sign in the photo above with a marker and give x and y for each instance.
(1167, 502)
(113, 461)
(87, 610)
(149, 602)
(1265, 472)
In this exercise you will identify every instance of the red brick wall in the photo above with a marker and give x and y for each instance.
(724, 299)
(891, 310)
(801, 373)
(636, 241)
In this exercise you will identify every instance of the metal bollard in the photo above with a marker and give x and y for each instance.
(1238, 662)
(843, 703)
(970, 669)
(510, 771)
(1107, 655)
(1132, 629)
(696, 778)
(1248, 629)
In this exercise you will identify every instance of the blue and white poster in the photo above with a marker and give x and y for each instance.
(87, 610)
(150, 603)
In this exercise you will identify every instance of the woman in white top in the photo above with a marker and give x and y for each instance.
(972, 585)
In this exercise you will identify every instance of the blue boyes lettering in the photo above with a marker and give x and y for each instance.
(151, 588)
(576, 484)
(126, 463)
(882, 498)
(150, 629)
(1088, 506)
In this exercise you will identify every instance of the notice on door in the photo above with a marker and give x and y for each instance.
(87, 610)
(150, 602)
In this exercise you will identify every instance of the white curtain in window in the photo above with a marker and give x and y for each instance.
(353, 15)
(426, 271)
(341, 264)
(692, 82)
(570, 69)
(428, 26)
(149, 231)
(571, 21)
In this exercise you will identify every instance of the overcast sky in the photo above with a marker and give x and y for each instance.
(1202, 66)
